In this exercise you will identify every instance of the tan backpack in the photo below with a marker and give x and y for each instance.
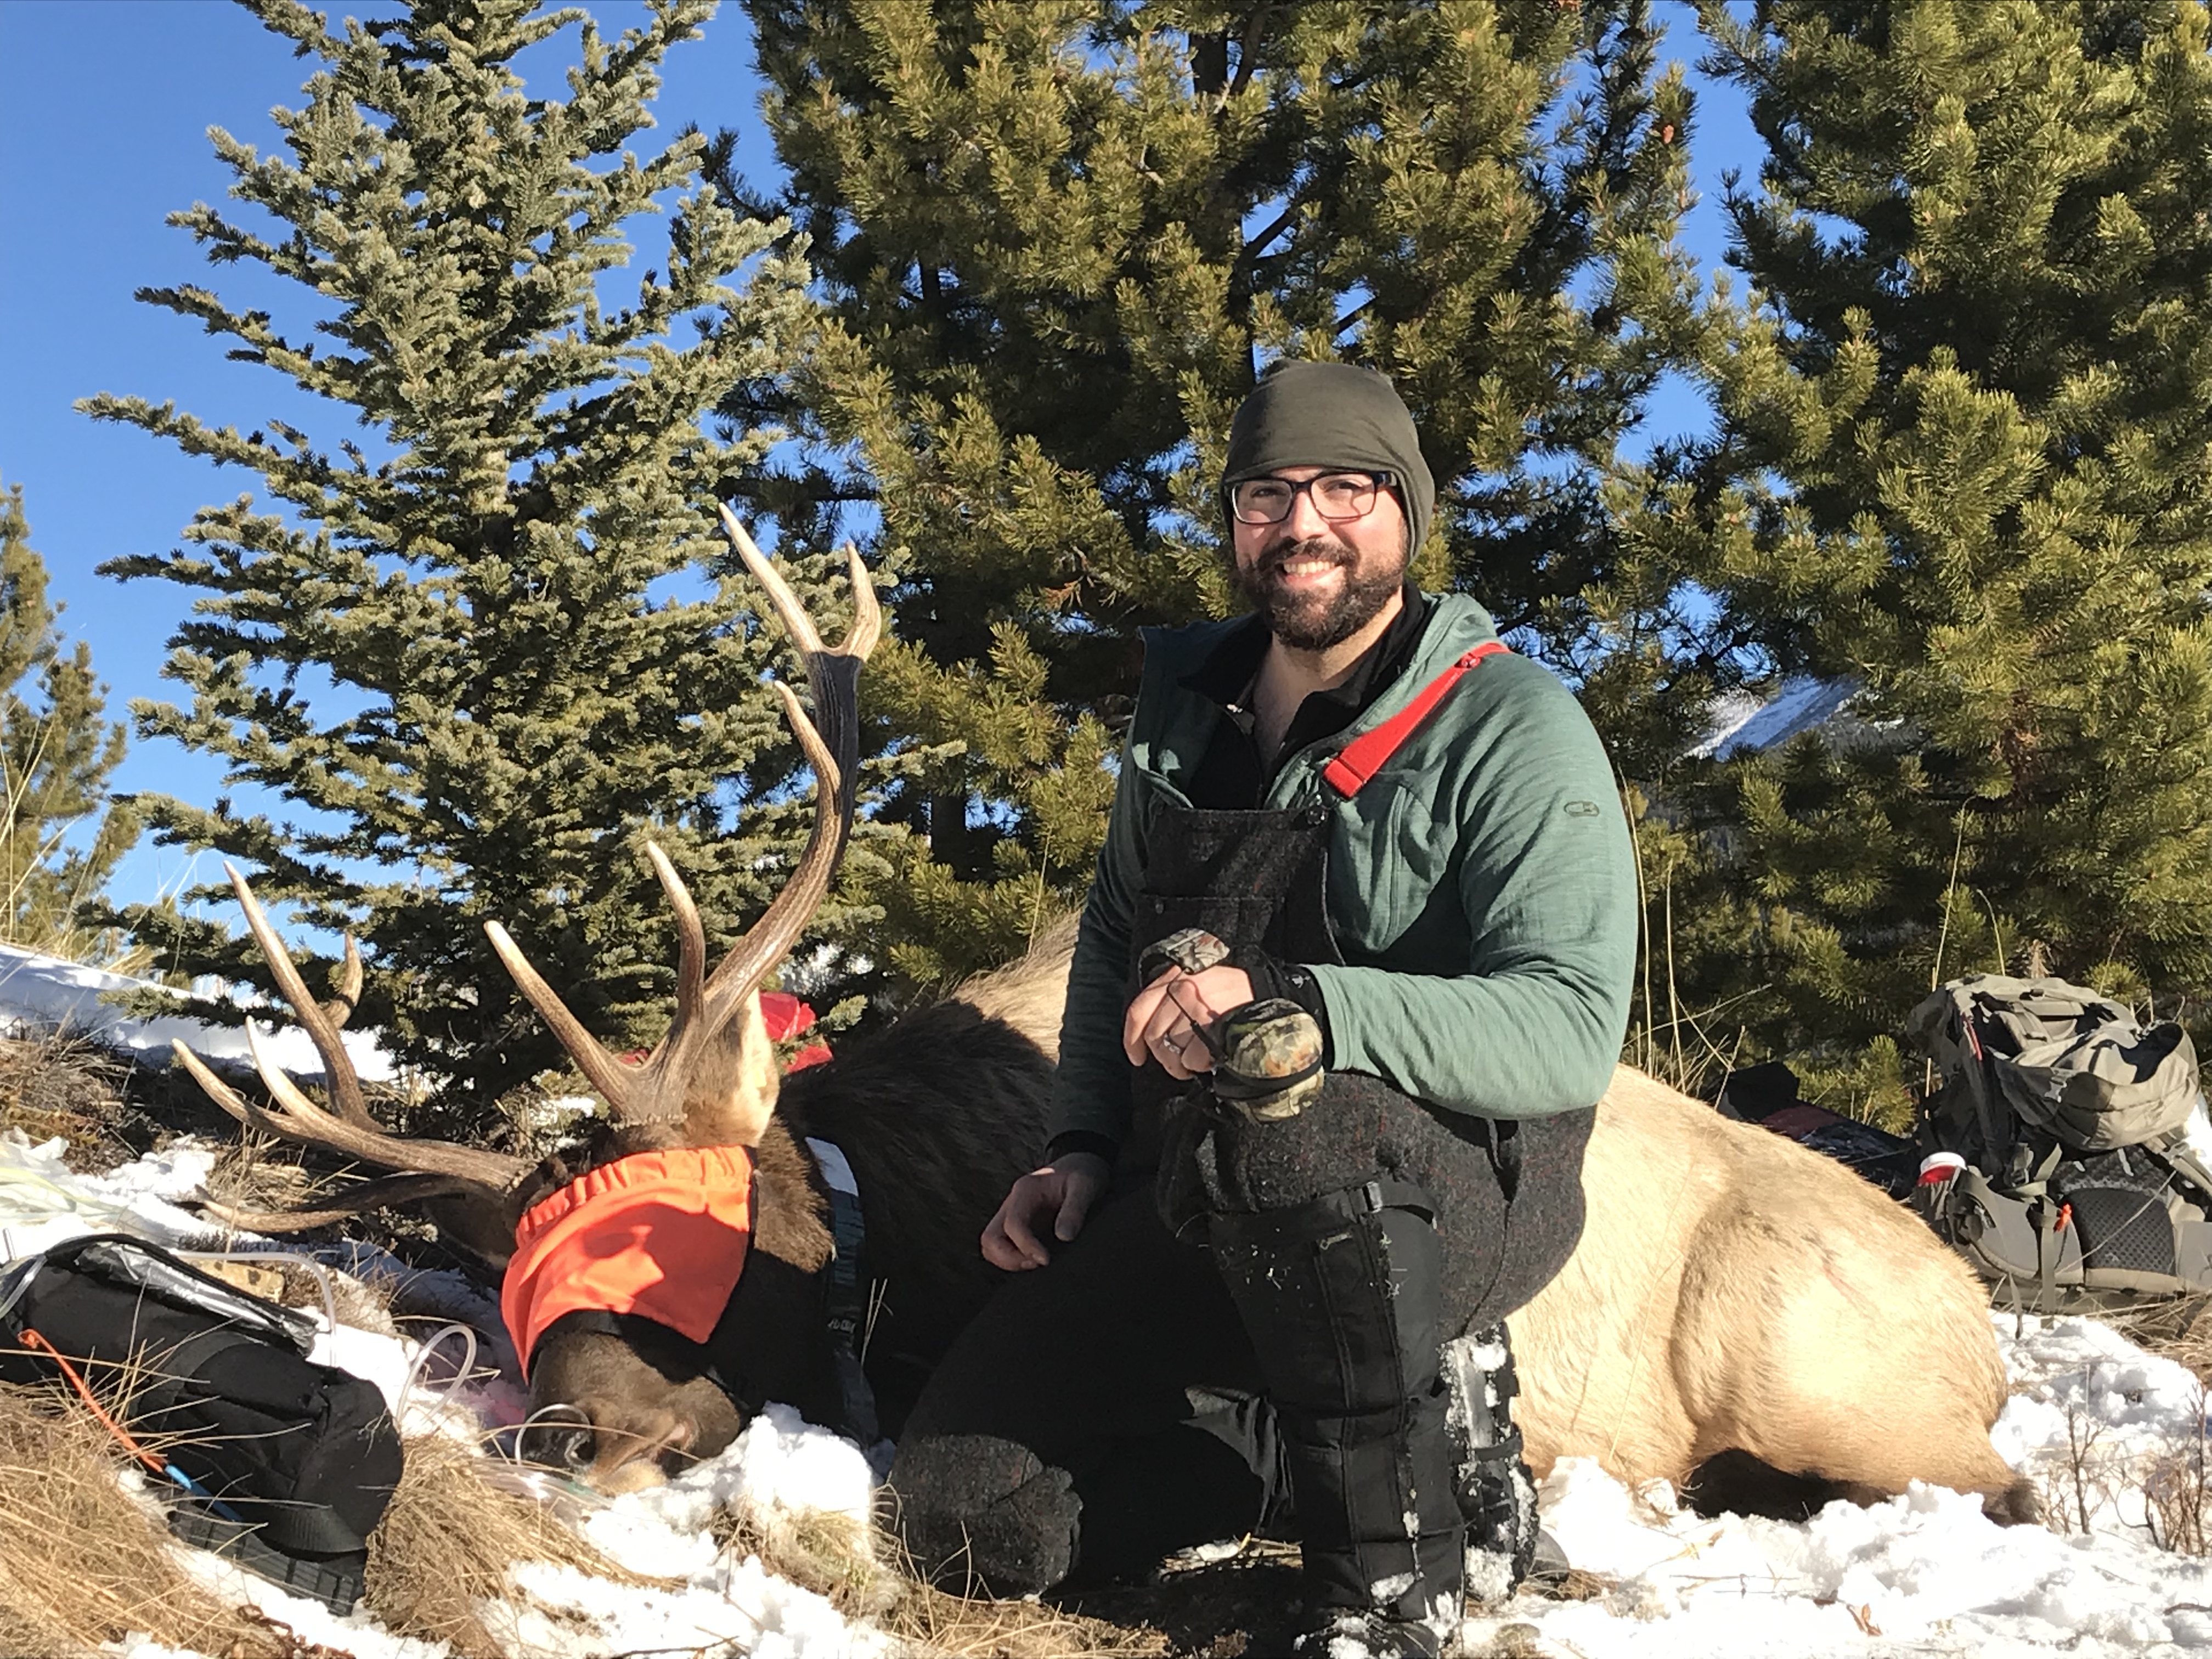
(2061, 1170)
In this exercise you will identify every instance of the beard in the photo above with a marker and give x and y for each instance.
(1315, 621)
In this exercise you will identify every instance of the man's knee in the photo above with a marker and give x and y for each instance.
(978, 1512)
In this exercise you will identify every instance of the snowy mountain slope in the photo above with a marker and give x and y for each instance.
(1742, 722)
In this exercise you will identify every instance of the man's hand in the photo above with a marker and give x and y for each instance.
(1164, 1018)
(1063, 1190)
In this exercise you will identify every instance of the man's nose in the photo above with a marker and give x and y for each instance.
(1304, 518)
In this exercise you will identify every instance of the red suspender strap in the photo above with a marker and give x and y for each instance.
(1358, 760)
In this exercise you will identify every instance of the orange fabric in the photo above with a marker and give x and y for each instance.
(661, 1234)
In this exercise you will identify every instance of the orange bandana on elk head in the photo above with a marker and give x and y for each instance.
(663, 1234)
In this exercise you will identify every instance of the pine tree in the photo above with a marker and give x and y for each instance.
(1968, 455)
(465, 663)
(1062, 239)
(60, 840)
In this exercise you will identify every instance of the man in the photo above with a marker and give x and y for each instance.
(1350, 829)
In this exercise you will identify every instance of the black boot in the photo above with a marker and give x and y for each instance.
(980, 1514)
(1495, 1495)
(1342, 1299)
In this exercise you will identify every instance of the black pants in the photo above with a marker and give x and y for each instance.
(1102, 1412)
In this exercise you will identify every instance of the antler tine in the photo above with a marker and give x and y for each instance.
(868, 614)
(213, 1087)
(797, 625)
(690, 946)
(601, 1070)
(338, 1075)
(301, 1121)
(339, 1009)
(388, 1193)
(792, 907)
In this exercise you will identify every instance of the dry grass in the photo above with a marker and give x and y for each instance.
(864, 1574)
(2178, 1500)
(2178, 1328)
(935, 1622)
(260, 1172)
(64, 1085)
(84, 1563)
(448, 1541)
(828, 1553)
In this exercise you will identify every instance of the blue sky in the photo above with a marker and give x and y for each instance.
(104, 109)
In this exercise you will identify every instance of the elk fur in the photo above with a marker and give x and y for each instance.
(1734, 1290)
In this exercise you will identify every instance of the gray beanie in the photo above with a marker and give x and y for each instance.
(1312, 414)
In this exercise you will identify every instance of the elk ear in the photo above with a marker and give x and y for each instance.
(737, 1085)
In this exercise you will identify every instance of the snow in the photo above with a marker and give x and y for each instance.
(1743, 722)
(44, 993)
(2092, 1418)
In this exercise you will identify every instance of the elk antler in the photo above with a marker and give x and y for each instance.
(656, 1092)
(346, 1128)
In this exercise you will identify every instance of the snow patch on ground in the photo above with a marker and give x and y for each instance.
(1922, 1574)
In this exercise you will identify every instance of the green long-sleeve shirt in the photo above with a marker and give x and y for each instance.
(1480, 888)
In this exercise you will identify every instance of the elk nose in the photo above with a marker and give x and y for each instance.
(558, 1436)
(574, 1449)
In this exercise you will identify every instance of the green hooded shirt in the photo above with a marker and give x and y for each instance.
(1480, 887)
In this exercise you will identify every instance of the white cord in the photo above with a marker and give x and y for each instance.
(422, 1358)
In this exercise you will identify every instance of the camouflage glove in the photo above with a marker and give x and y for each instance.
(1267, 1058)
(1192, 949)
(1267, 1055)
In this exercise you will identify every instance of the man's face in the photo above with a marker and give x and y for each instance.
(1319, 581)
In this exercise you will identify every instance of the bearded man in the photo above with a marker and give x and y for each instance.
(1353, 972)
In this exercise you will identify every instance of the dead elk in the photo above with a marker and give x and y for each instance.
(723, 1168)
(1732, 1292)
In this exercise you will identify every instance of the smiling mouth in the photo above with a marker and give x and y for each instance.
(1303, 570)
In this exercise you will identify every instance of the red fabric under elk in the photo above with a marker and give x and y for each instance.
(663, 1234)
(786, 1018)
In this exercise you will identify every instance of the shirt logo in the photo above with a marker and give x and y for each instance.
(1580, 808)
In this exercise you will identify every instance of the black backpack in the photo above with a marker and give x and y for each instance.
(283, 1465)
(2058, 1163)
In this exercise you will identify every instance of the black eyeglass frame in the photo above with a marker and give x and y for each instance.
(1377, 481)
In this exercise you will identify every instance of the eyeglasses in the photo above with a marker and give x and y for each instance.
(1335, 495)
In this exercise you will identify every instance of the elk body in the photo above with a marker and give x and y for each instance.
(1736, 1291)
(1732, 1291)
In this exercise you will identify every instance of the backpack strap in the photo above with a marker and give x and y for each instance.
(2173, 1151)
(1354, 766)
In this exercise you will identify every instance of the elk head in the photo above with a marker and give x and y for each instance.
(637, 1368)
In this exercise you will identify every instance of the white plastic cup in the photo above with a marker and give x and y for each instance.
(1939, 1167)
